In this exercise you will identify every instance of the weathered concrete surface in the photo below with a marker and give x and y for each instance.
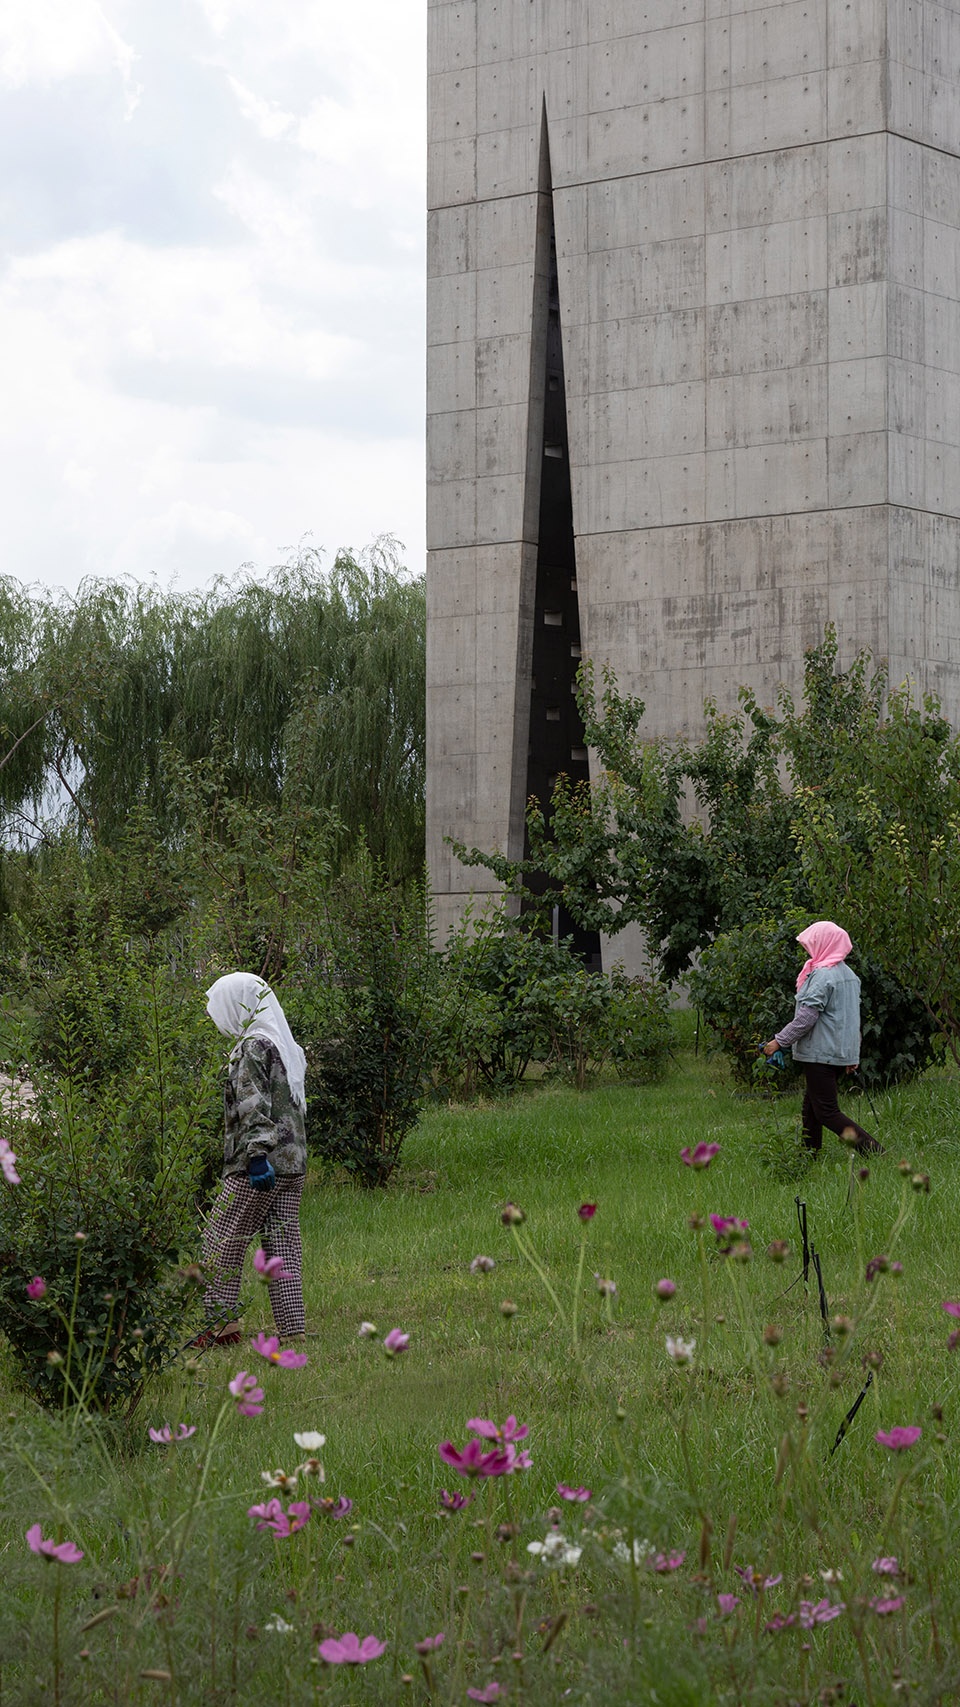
(758, 228)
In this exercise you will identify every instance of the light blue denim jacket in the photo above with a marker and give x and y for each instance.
(835, 1039)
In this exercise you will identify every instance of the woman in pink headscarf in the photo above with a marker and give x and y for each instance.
(824, 1034)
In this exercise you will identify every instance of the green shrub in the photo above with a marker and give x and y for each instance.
(120, 1160)
(745, 988)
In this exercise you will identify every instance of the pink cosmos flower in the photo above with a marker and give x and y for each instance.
(883, 1607)
(951, 1309)
(64, 1552)
(665, 1289)
(248, 1395)
(781, 1621)
(163, 1436)
(283, 1523)
(587, 1211)
(886, 1567)
(337, 1508)
(454, 1502)
(8, 1163)
(820, 1613)
(348, 1650)
(474, 1461)
(36, 1288)
(568, 1493)
(396, 1342)
(284, 1358)
(430, 1643)
(700, 1156)
(727, 1604)
(269, 1268)
(755, 1579)
(723, 1224)
(511, 1430)
(491, 1693)
(896, 1439)
(664, 1562)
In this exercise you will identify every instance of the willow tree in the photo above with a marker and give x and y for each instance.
(313, 682)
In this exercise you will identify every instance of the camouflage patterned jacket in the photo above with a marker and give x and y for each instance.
(260, 1116)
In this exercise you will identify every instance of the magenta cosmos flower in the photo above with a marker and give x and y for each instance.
(700, 1156)
(664, 1562)
(270, 1268)
(511, 1430)
(430, 1644)
(396, 1342)
(587, 1211)
(64, 1552)
(248, 1395)
(951, 1308)
(819, 1612)
(283, 1357)
(723, 1224)
(755, 1579)
(568, 1493)
(884, 1607)
(36, 1288)
(454, 1502)
(8, 1163)
(897, 1439)
(727, 1603)
(474, 1461)
(163, 1436)
(886, 1567)
(340, 1507)
(348, 1650)
(490, 1693)
(283, 1523)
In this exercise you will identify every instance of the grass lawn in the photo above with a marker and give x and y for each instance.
(717, 1461)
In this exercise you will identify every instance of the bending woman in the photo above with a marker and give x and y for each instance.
(264, 1154)
(824, 1034)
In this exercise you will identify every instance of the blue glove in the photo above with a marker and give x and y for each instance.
(260, 1173)
(777, 1059)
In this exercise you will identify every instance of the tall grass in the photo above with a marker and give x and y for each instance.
(671, 1454)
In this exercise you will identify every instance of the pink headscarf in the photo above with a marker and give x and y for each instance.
(826, 944)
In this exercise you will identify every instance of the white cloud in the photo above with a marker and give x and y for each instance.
(230, 357)
(45, 41)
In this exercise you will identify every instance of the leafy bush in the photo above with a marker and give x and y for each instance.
(368, 1005)
(529, 999)
(745, 988)
(119, 1159)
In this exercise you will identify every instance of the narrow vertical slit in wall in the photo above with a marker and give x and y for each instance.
(556, 741)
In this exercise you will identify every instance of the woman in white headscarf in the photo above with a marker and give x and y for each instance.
(264, 1156)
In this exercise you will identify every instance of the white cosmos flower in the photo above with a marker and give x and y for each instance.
(279, 1625)
(367, 1330)
(555, 1550)
(279, 1478)
(310, 1442)
(641, 1552)
(680, 1350)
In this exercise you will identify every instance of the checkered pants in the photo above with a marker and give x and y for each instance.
(239, 1215)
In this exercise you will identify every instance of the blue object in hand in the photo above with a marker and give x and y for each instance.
(777, 1059)
(260, 1173)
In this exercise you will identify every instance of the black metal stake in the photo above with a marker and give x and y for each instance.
(802, 1218)
(848, 1419)
(815, 1257)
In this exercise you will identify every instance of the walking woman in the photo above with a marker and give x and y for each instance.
(264, 1155)
(824, 1034)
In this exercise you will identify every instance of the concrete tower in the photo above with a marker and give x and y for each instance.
(694, 368)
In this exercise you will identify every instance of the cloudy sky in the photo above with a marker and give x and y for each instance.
(211, 283)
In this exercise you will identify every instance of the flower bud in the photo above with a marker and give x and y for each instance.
(842, 1326)
(780, 1384)
(921, 1182)
(512, 1215)
(81, 1238)
(904, 1168)
(863, 1174)
(772, 1334)
(741, 1252)
(54, 1357)
(482, 1265)
(508, 1308)
(664, 1289)
(696, 1223)
(778, 1251)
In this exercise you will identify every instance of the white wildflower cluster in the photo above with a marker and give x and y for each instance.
(681, 1351)
(555, 1551)
(641, 1552)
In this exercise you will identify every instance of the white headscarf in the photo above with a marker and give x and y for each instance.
(241, 1005)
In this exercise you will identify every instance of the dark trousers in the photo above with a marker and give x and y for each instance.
(821, 1108)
